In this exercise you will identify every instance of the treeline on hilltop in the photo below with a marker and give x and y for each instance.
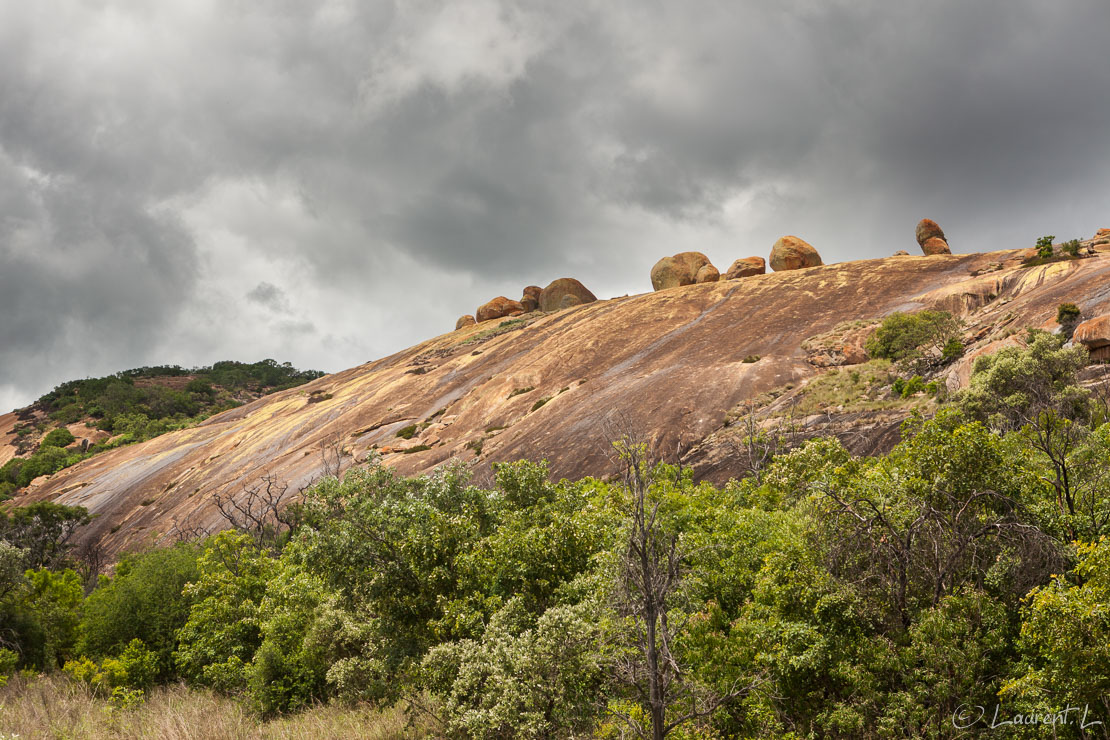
(133, 406)
(824, 595)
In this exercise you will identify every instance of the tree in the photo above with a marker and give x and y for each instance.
(649, 596)
(918, 342)
(43, 529)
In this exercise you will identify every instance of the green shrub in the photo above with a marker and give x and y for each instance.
(1044, 247)
(539, 404)
(143, 601)
(521, 391)
(417, 448)
(407, 432)
(136, 667)
(913, 339)
(60, 437)
(1071, 247)
(1067, 313)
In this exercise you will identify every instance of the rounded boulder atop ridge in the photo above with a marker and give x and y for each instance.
(552, 297)
(792, 253)
(676, 270)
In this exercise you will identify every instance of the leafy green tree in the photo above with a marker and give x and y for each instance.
(219, 640)
(1044, 247)
(1065, 638)
(916, 341)
(144, 600)
(43, 529)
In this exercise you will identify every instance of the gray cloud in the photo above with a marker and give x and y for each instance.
(324, 183)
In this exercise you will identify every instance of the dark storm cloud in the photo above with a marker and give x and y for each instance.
(323, 183)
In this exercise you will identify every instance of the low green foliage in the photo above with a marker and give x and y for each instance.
(60, 437)
(407, 432)
(1044, 247)
(1067, 313)
(916, 340)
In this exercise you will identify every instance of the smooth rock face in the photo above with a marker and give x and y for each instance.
(569, 300)
(928, 229)
(707, 274)
(465, 320)
(676, 270)
(935, 245)
(746, 267)
(531, 298)
(792, 253)
(551, 298)
(498, 308)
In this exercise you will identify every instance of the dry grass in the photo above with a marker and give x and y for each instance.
(56, 707)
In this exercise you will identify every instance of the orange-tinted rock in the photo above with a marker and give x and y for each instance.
(569, 301)
(676, 270)
(792, 253)
(901, 253)
(935, 245)
(551, 298)
(1102, 232)
(746, 267)
(464, 320)
(531, 298)
(1093, 333)
(928, 229)
(497, 308)
(707, 274)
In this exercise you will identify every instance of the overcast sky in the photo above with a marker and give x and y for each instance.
(325, 183)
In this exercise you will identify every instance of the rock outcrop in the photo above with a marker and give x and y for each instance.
(464, 320)
(531, 298)
(552, 297)
(678, 269)
(645, 360)
(935, 245)
(498, 308)
(792, 253)
(707, 274)
(931, 238)
(901, 253)
(746, 267)
(1094, 334)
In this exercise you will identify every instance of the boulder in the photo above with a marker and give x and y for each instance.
(569, 300)
(1094, 334)
(927, 229)
(901, 253)
(792, 253)
(551, 298)
(498, 308)
(746, 267)
(935, 245)
(707, 274)
(465, 320)
(679, 269)
(531, 298)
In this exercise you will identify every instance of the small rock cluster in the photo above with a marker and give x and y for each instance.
(560, 294)
(690, 268)
(930, 237)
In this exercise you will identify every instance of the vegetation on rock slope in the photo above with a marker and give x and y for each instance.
(133, 406)
(829, 595)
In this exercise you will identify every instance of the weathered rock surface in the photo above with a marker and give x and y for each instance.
(551, 298)
(499, 307)
(792, 253)
(928, 229)
(464, 320)
(678, 269)
(531, 298)
(901, 253)
(643, 358)
(746, 267)
(1094, 334)
(707, 274)
(935, 245)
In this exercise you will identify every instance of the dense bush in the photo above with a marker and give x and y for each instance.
(60, 437)
(144, 600)
(915, 340)
(829, 596)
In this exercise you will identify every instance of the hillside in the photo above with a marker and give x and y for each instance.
(675, 365)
